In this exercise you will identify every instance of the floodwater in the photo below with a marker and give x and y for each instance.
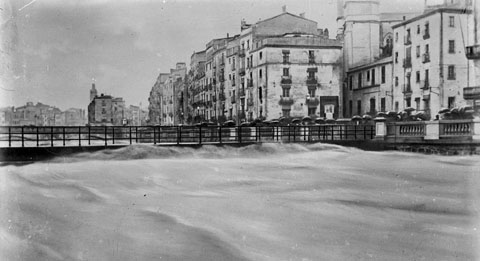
(261, 202)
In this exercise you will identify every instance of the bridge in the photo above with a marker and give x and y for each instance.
(443, 137)
(63, 136)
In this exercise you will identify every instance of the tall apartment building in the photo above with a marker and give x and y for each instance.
(430, 63)
(290, 69)
(196, 87)
(471, 92)
(171, 96)
(155, 100)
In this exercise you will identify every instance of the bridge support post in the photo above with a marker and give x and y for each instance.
(432, 130)
(476, 130)
(380, 128)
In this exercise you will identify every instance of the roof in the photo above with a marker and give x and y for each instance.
(286, 13)
(372, 64)
(390, 17)
(430, 13)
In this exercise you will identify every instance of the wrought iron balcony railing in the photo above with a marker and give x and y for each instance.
(473, 52)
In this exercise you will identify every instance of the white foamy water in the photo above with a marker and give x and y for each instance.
(261, 202)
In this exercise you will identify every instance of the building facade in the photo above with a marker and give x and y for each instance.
(429, 60)
(41, 115)
(106, 110)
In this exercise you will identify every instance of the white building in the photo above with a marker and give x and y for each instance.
(430, 65)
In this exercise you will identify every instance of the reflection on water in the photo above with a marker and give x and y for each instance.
(261, 202)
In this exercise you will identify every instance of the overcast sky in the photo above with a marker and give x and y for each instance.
(56, 47)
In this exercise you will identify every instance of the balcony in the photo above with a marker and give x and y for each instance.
(408, 40)
(312, 101)
(241, 93)
(407, 62)
(425, 85)
(407, 90)
(312, 81)
(426, 35)
(250, 83)
(471, 93)
(286, 79)
(426, 58)
(241, 71)
(473, 52)
(286, 101)
(241, 52)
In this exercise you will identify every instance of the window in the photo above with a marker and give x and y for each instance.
(260, 55)
(286, 113)
(417, 76)
(451, 102)
(451, 21)
(383, 74)
(350, 82)
(312, 111)
(248, 62)
(427, 48)
(359, 107)
(396, 37)
(260, 73)
(417, 104)
(368, 76)
(286, 72)
(286, 92)
(350, 107)
(408, 102)
(373, 76)
(426, 77)
(260, 96)
(427, 30)
(248, 44)
(451, 46)
(382, 104)
(372, 105)
(418, 51)
(396, 106)
(396, 80)
(426, 105)
(311, 56)
(286, 56)
(418, 29)
(451, 72)
(360, 80)
(311, 92)
(396, 57)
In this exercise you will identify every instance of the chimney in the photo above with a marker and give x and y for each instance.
(302, 15)
(284, 9)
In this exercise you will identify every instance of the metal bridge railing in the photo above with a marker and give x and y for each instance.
(55, 136)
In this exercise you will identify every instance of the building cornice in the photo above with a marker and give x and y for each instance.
(439, 10)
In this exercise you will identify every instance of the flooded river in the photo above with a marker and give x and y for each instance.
(261, 202)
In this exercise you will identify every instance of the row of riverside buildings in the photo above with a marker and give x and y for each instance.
(41, 114)
(285, 66)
